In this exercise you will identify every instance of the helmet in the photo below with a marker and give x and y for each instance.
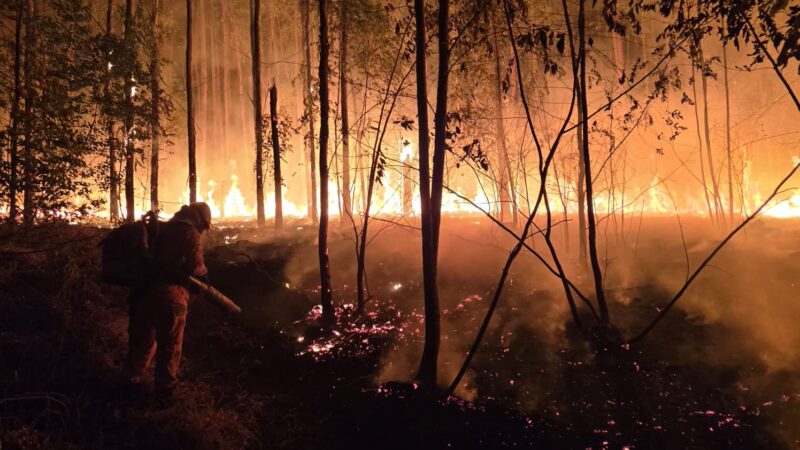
(203, 213)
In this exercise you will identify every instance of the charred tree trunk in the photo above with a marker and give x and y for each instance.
(276, 156)
(113, 201)
(155, 119)
(14, 147)
(305, 10)
(130, 150)
(431, 189)
(345, 190)
(324, 106)
(190, 107)
(255, 49)
(587, 169)
(28, 214)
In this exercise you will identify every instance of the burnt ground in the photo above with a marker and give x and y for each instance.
(271, 379)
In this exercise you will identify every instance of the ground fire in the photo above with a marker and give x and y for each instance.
(379, 224)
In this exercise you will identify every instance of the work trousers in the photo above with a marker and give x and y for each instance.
(156, 323)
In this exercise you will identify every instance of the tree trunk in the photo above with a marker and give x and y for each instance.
(276, 156)
(113, 203)
(130, 150)
(362, 130)
(190, 107)
(324, 102)
(242, 89)
(345, 190)
(28, 214)
(255, 44)
(508, 207)
(583, 252)
(202, 70)
(155, 122)
(619, 66)
(728, 150)
(225, 87)
(587, 169)
(431, 189)
(14, 147)
(707, 131)
(305, 10)
(699, 136)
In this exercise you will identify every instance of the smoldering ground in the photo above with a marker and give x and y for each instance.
(723, 358)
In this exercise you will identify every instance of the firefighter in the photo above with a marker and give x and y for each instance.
(158, 307)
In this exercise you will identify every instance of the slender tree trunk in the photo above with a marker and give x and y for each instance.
(14, 147)
(297, 60)
(217, 112)
(211, 127)
(508, 208)
(242, 89)
(619, 66)
(28, 214)
(583, 252)
(305, 10)
(324, 264)
(587, 168)
(190, 107)
(113, 203)
(728, 150)
(202, 70)
(130, 150)
(255, 43)
(700, 139)
(225, 88)
(269, 44)
(276, 156)
(364, 122)
(707, 130)
(427, 371)
(345, 190)
(155, 119)
(440, 126)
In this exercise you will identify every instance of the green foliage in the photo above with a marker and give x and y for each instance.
(77, 85)
(287, 131)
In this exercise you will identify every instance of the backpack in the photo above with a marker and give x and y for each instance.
(126, 252)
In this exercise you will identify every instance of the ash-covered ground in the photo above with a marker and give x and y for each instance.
(719, 372)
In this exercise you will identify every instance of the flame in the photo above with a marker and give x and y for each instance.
(212, 204)
(398, 194)
(235, 205)
(784, 209)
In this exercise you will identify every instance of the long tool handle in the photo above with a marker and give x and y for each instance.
(218, 297)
